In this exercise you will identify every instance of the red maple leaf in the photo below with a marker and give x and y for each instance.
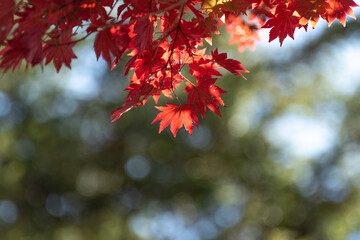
(229, 64)
(237, 6)
(282, 24)
(127, 106)
(106, 43)
(177, 116)
(11, 57)
(203, 96)
(59, 50)
(310, 10)
(339, 9)
(7, 9)
(144, 33)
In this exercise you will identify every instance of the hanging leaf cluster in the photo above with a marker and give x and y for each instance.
(161, 37)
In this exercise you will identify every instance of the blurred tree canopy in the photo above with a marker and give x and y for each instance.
(282, 163)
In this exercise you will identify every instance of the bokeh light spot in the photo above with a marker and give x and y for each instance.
(5, 104)
(8, 211)
(137, 167)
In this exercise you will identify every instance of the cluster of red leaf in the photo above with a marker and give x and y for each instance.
(160, 36)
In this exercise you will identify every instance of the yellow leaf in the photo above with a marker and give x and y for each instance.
(212, 3)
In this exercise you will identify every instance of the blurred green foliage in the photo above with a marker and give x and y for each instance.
(282, 163)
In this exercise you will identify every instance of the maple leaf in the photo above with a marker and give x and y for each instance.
(11, 57)
(177, 116)
(7, 9)
(204, 96)
(127, 106)
(148, 62)
(339, 9)
(231, 65)
(283, 24)
(238, 6)
(144, 32)
(59, 50)
(107, 3)
(111, 40)
(203, 67)
(210, 5)
(310, 10)
(24, 46)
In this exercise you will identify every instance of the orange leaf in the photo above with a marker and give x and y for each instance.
(177, 116)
